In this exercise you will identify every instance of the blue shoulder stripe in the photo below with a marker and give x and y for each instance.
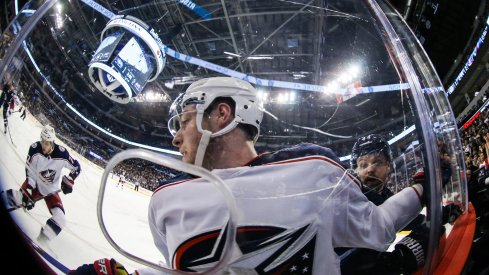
(297, 151)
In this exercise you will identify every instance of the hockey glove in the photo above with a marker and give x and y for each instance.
(100, 267)
(67, 185)
(410, 252)
(19, 198)
(27, 201)
(419, 178)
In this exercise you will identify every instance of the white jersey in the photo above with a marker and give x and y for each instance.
(293, 212)
(45, 171)
(17, 102)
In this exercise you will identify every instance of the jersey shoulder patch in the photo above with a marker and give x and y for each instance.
(60, 152)
(35, 148)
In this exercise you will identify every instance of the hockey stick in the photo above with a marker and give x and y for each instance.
(8, 130)
(33, 200)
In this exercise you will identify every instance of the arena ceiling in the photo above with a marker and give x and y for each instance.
(324, 43)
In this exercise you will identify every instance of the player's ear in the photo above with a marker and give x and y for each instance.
(224, 114)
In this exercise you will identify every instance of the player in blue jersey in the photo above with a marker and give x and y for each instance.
(6, 99)
(295, 205)
(44, 179)
(371, 161)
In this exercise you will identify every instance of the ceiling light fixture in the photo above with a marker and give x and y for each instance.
(232, 54)
(257, 57)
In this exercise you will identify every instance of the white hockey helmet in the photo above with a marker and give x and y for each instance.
(47, 133)
(203, 92)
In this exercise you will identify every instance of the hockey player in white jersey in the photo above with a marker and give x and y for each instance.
(295, 205)
(122, 180)
(44, 165)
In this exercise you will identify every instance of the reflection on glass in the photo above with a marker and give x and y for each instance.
(327, 74)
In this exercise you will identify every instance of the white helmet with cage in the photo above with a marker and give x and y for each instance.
(203, 92)
(47, 133)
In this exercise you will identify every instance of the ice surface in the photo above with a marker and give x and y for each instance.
(81, 241)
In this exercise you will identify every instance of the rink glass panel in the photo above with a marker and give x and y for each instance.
(359, 71)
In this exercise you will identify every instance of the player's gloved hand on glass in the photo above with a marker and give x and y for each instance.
(419, 178)
(67, 185)
(100, 267)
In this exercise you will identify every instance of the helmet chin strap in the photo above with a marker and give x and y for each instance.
(204, 141)
(207, 135)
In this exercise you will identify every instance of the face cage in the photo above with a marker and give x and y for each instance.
(174, 121)
(176, 109)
